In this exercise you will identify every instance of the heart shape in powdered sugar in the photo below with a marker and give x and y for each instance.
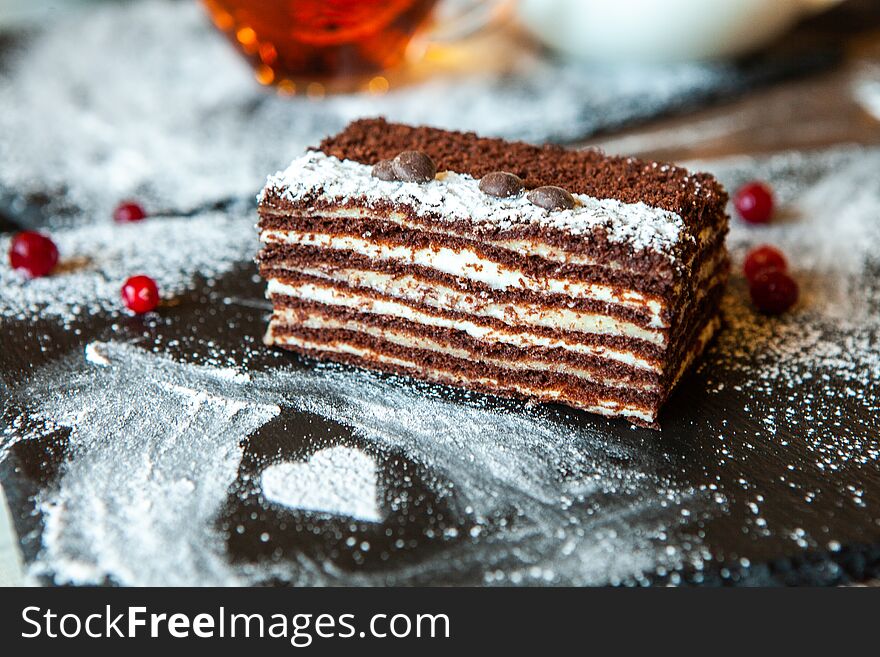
(338, 480)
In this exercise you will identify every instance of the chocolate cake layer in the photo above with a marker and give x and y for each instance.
(295, 313)
(662, 269)
(597, 292)
(348, 267)
(471, 254)
(619, 358)
(528, 280)
(355, 347)
(444, 302)
(444, 357)
(551, 387)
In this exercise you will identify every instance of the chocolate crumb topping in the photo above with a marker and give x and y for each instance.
(551, 197)
(697, 197)
(384, 170)
(414, 166)
(501, 184)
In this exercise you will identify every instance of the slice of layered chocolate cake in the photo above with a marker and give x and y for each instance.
(533, 272)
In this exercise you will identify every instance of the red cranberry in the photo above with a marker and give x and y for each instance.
(128, 212)
(754, 202)
(773, 291)
(33, 253)
(763, 257)
(140, 294)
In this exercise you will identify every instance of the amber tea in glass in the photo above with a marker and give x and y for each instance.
(328, 44)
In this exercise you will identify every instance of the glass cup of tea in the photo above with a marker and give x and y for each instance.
(319, 46)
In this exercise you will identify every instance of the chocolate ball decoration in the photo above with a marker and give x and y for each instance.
(384, 170)
(414, 166)
(551, 198)
(501, 184)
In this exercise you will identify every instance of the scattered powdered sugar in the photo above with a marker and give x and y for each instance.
(337, 480)
(827, 225)
(155, 445)
(821, 360)
(96, 259)
(153, 451)
(523, 482)
(96, 354)
(455, 196)
(146, 100)
(126, 101)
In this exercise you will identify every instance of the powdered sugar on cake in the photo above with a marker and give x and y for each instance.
(456, 196)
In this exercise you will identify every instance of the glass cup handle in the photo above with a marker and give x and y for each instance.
(459, 19)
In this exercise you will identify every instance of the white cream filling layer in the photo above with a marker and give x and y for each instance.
(417, 287)
(529, 247)
(410, 341)
(518, 338)
(609, 407)
(468, 264)
(441, 297)
(518, 246)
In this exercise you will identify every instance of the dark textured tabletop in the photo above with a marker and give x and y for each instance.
(174, 449)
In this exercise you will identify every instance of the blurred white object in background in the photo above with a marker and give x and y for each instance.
(661, 30)
(866, 89)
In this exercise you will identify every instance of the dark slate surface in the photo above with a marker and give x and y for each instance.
(689, 455)
(685, 454)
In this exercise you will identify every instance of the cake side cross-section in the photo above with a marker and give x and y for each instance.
(533, 272)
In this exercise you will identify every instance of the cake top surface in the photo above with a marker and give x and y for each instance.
(629, 204)
(630, 180)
